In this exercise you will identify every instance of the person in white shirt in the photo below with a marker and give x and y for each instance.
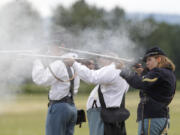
(62, 113)
(112, 86)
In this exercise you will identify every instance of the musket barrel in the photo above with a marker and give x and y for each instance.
(98, 55)
(48, 56)
(16, 51)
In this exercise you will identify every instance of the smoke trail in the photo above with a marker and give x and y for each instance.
(21, 29)
(99, 40)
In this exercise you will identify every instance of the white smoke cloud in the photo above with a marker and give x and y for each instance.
(21, 29)
(99, 40)
(108, 40)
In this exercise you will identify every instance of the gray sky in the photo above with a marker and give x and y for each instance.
(144, 6)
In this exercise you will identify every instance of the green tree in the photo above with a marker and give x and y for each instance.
(115, 18)
(80, 16)
(162, 35)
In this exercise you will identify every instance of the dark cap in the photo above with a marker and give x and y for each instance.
(152, 52)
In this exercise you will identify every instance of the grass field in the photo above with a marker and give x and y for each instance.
(26, 115)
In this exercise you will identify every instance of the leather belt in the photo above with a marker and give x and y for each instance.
(66, 99)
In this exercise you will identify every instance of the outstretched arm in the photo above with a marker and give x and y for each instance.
(140, 82)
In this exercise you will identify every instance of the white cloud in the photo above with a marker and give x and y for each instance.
(148, 6)
(2, 2)
(45, 6)
(151, 6)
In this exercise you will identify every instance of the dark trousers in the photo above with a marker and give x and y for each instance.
(153, 126)
(61, 119)
(114, 129)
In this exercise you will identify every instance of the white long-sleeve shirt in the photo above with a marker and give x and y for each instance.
(43, 76)
(113, 86)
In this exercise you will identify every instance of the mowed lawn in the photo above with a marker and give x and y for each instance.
(26, 115)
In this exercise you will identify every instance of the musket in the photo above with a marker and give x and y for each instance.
(48, 56)
(16, 51)
(98, 55)
(30, 53)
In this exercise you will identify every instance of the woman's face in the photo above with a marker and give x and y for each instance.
(151, 63)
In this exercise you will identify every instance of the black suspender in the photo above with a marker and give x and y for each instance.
(71, 81)
(123, 102)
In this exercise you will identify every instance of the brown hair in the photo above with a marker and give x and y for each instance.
(165, 62)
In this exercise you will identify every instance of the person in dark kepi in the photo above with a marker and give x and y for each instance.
(157, 88)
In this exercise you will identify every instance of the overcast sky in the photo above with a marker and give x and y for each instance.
(143, 6)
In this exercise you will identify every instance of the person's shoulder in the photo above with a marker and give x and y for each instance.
(164, 72)
(155, 71)
(110, 67)
(167, 72)
(57, 63)
(160, 70)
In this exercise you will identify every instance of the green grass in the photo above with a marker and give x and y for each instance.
(26, 115)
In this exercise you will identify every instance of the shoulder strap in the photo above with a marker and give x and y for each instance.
(54, 74)
(70, 79)
(123, 102)
(101, 99)
(70, 76)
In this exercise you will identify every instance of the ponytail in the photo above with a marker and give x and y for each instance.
(165, 62)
